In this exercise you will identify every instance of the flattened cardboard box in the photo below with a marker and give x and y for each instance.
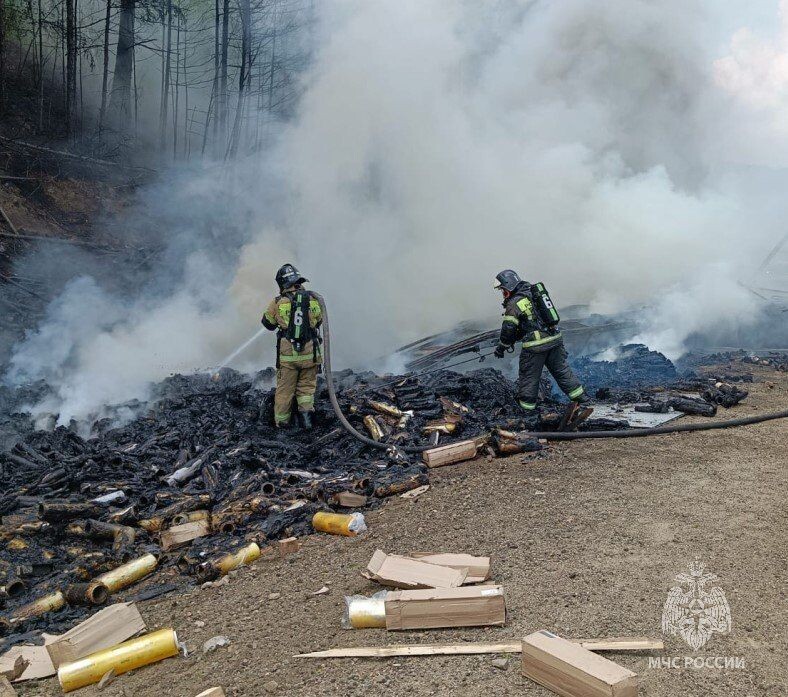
(478, 568)
(402, 572)
(570, 670)
(470, 606)
(109, 626)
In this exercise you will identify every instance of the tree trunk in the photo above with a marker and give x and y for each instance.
(2, 56)
(105, 72)
(215, 91)
(246, 46)
(222, 104)
(176, 105)
(120, 97)
(41, 67)
(165, 90)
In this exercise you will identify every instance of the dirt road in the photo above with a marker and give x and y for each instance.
(585, 541)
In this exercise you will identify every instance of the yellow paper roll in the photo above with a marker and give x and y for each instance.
(339, 523)
(121, 658)
(129, 573)
(245, 555)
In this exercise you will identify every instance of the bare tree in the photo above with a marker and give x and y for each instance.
(105, 66)
(120, 97)
(165, 79)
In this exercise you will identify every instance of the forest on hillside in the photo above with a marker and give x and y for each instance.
(176, 79)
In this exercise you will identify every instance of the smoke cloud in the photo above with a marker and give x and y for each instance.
(588, 145)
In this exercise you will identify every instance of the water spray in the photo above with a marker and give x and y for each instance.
(237, 352)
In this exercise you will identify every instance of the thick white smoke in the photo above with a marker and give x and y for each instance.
(584, 144)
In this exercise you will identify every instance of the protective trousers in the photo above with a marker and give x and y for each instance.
(294, 380)
(533, 360)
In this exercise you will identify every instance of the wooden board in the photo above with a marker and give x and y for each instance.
(179, 535)
(449, 454)
(615, 644)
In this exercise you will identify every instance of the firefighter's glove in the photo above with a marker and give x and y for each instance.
(500, 350)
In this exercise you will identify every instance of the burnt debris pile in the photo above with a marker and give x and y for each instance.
(202, 474)
(200, 481)
(634, 366)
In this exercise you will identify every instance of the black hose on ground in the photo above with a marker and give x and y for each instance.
(548, 435)
(658, 430)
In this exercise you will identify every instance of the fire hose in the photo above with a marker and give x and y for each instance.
(548, 435)
(332, 395)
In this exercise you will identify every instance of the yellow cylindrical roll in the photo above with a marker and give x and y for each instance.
(366, 613)
(49, 603)
(245, 555)
(348, 524)
(190, 517)
(129, 573)
(121, 658)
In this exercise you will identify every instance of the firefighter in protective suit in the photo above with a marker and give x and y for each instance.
(529, 316)
(296, 317)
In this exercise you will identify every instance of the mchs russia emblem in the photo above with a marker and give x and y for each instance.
(695, 609)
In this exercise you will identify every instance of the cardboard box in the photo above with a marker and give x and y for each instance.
(109, 626)
(403, 572)
(470, 606)
(349, 499)
(570, 670)
(289, 545)
(477, 568)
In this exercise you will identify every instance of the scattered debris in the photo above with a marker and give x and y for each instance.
(415, 493)
(500, 663)
(212, 692)
(570, 670)
(289, 546)
(724, 394)
(214, 643)
(274, 596)
(39, 664)
(347, 499)
(322, 591)
(107, 679)
(15, 671)
(6, 689)
(180, 535)
(633, 366)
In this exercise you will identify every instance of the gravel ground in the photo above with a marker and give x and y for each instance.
(585, 541)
